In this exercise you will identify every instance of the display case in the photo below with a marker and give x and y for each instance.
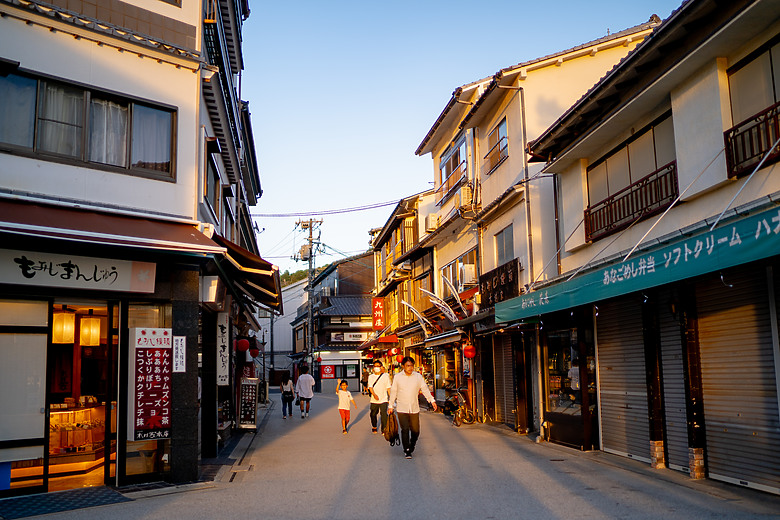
(76, 434)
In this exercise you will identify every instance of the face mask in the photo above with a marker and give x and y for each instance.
(377, 369)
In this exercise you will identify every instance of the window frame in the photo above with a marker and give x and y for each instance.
(82, 160)
(506, 231)
(502, 151)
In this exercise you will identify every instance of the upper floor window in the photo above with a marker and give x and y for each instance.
(212, 187)
(60, 121)
(754, 88)
(497, 147)
(505, 248)
(645, 152)
(452, 168)
(461, 272)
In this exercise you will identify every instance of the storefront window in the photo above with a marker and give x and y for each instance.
(564, 391)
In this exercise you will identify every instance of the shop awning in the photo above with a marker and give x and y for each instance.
(251, 275)
(79, 225)
(381, 339)
(736, 242)
(445, 338)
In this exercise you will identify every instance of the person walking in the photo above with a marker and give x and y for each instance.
(364, 382)
(304, 387)
(288, 395)
(378, 386)
(345, 396)
(407, 385)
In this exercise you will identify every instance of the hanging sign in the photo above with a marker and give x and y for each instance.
(328, 371)
(247, 405)
(378, 313)
(223, 350)
(150, 384)
(348, 336)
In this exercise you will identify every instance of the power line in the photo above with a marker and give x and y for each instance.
(327, 211)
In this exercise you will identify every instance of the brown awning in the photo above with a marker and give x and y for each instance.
(80, 225)
(250, 274)
(381, 339)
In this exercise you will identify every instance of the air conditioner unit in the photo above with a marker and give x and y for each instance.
(431, 222)
(468, 275)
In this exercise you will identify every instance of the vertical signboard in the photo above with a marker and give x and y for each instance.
(150, 384)
(378, 313)
(223, 351)
(180, 353)
(247, 405)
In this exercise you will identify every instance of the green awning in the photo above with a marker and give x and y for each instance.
(739, 241)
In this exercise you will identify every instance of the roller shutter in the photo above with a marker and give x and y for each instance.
(622, 380)
(673, 385)
(738, 379)
(504, 380)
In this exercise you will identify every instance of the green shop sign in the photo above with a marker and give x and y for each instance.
(745, 240)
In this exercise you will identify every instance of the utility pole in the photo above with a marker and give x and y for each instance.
(307, 253)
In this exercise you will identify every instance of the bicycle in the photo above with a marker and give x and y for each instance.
(461, 413)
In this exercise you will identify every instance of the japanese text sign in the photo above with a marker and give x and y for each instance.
(180, 353)
(223, 349)
(150, 384)
(378, 313)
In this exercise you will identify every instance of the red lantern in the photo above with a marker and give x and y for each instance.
(254, 352)
(399, 357)
(469, 351)
(369, 356)
(243, 345)
(319, 359)
(393, 351)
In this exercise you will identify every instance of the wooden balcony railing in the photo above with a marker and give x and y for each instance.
(747, 142)
(496, 156)
(644, 198)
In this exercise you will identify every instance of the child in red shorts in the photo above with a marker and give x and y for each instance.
(345, 396)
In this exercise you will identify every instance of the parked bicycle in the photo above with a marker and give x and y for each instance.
(457, 405)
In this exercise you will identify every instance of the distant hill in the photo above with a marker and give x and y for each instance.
(288, 278)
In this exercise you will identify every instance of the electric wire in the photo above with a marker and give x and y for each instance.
(327, 211)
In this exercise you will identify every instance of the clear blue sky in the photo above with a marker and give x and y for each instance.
(342, 93)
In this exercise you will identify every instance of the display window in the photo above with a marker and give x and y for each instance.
(566, 373)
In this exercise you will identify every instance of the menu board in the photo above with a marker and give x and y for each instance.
(150, 384)
(247, 404)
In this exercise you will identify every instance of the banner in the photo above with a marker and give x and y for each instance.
(150, 384)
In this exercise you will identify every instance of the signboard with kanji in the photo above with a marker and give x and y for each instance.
(378, 313)
(150, 384)
(179, 353)
(247, 404)
(223, 350)
(328, 371)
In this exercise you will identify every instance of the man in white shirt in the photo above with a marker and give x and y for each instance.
(407, 385)
(304, 387)
(378, 388)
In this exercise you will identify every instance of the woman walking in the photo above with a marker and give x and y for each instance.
(288, 395)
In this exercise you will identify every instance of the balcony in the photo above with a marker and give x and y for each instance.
(646, 197)
(449, 184)
(747, 142)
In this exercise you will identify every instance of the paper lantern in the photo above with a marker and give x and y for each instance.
(64, 328)
(254, 352)
(469, 351)
(89, 332)
(319, 359)
(243, 345)
(399, 357)
(393, 351)
(369, 356)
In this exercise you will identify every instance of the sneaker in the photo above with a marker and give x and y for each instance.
(307, 414)
(373, 430)
(344, 432)
(408, 454)
(284, 417)
(302, 416)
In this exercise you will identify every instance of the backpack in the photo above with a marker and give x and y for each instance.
(391, 431)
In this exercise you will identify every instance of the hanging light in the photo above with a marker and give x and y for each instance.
(63, 328)
(90, 331)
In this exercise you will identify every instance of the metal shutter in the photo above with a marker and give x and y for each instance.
(738, 379)
(504, 380)
(673, 385)
(622, 381)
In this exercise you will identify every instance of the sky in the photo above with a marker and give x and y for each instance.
(342, 93)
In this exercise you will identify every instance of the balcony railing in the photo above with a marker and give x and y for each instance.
(496, 156)
(747, 142)
(644, 198)
(451, 181)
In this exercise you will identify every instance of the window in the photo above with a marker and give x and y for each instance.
(452, 168)
(461, 272)
(212, 187)
(63, 121)
(754, 88)
(505, 249)
(497, 147)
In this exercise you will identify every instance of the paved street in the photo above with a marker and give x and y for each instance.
(307, 469)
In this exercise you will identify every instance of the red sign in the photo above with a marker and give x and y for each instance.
(328, 371)
(152, 364)
(378, 313)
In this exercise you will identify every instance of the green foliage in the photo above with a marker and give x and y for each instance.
(288, 278)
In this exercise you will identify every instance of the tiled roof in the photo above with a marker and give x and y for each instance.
(348, 306)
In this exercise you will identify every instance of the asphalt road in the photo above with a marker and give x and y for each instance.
(307, 469)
